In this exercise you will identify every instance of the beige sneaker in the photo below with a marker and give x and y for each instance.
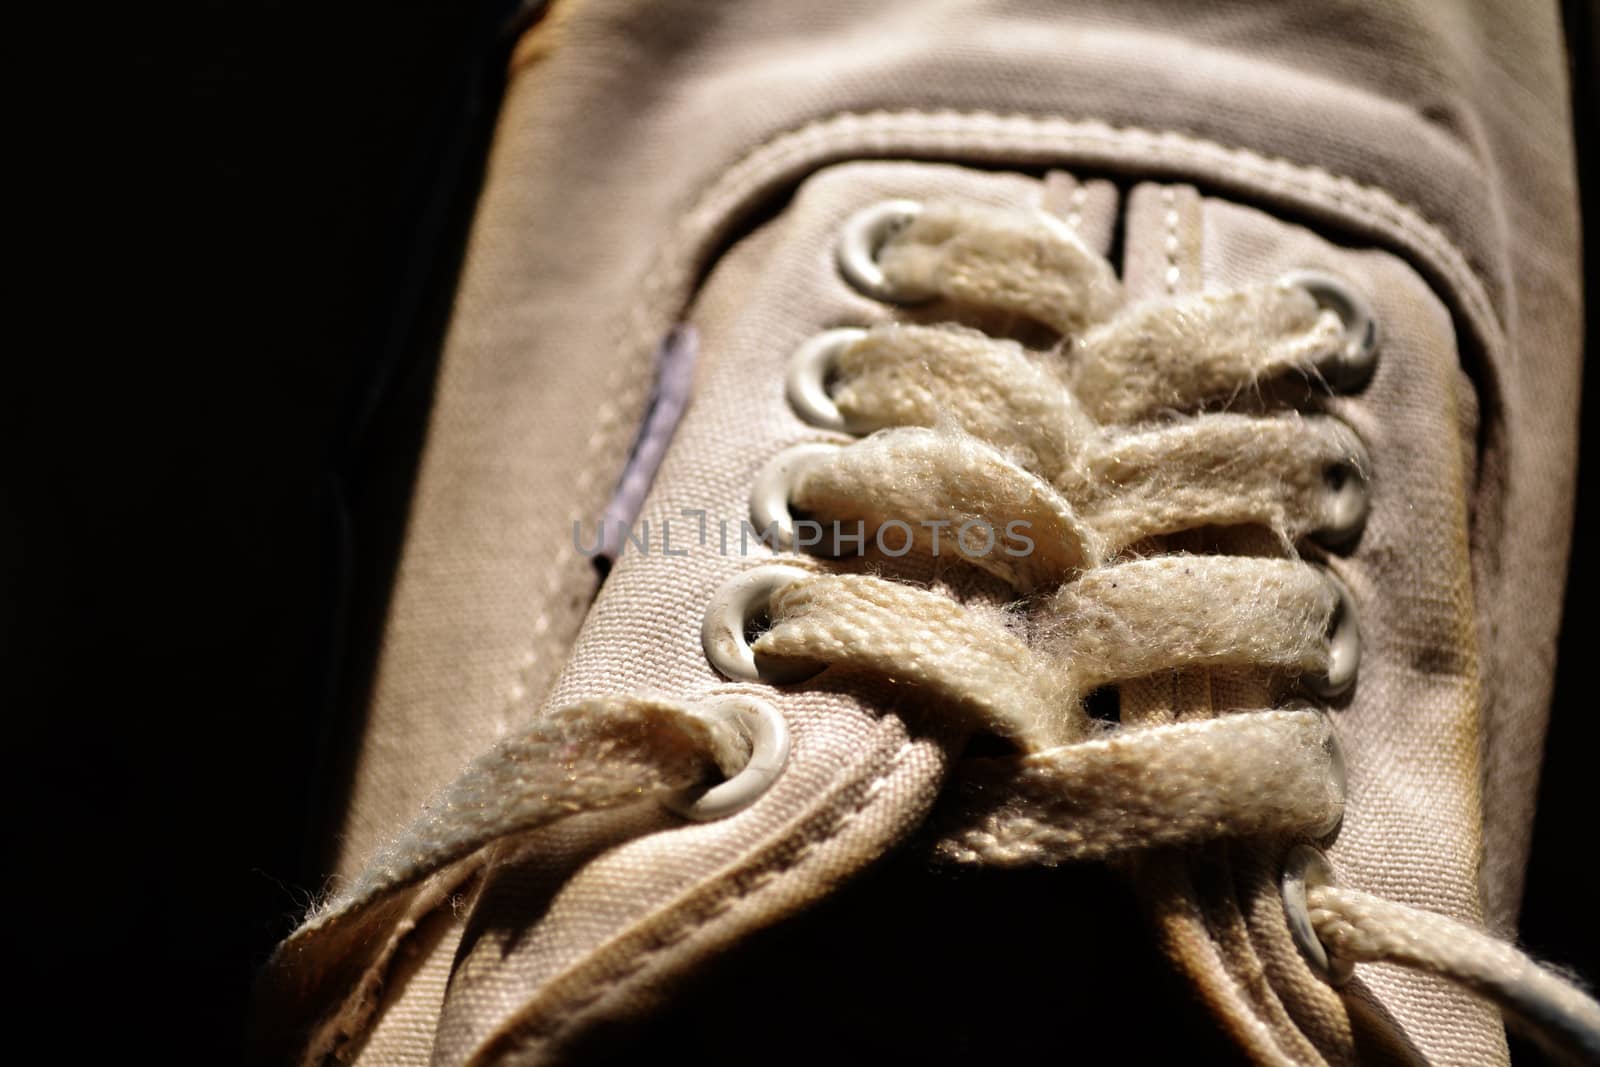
(1129, 438)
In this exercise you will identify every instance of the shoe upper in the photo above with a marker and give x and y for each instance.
(680, 164)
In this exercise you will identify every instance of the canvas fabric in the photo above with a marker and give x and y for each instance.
(674, 161)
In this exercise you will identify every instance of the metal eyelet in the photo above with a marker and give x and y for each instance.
(810, 369)
(1344, 647)
(1336, 765)
(1305, 868)
(768, 735)
(769, 495)
(863, 236)
(1349, 499)
(1347, 370)
(739, 606)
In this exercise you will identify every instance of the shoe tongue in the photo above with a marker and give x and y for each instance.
(1414, 826)
(1161, 243)
(1161, 259)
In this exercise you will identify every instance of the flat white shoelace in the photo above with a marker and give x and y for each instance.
(971, 426)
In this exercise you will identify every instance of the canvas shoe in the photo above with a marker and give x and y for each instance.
(1081, 496)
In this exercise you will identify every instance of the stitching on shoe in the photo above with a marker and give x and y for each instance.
(661, 941)
(1169, 200)
(969, 134)
(704, 905)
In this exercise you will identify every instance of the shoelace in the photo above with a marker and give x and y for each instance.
(961, 433)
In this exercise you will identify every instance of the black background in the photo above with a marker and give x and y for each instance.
(210, 478)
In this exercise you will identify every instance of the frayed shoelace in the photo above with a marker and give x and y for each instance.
(960, 429)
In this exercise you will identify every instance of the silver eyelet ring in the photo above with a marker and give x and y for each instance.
(739, 605)
(1344, 647)
(768, 735)
(806, 383)
(1336, 765)
(1305, 868)
(769, 495)
(861, 240)
(1349, 500)
(1347, 370)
